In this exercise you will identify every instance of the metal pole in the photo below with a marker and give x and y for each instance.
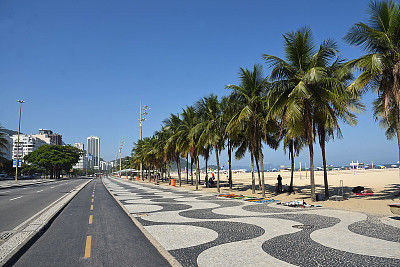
(141, 119)
(19, 129)
(115, 163)
(120, 160)
(140, 126)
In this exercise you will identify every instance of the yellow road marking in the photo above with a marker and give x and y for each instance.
(92, 195)
(92, 200)
(91, 207)
(90, 219)
(88, 246)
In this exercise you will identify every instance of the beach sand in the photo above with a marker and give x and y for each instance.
(385, 183)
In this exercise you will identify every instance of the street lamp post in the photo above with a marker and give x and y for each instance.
(121, 144)
(143, 113)
(19, 129)
(115, 163)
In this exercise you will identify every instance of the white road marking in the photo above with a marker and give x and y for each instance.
(39, 191)
(52, 187)
(15, 198)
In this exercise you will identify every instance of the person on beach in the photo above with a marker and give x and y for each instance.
(211, 182)
(279, 183)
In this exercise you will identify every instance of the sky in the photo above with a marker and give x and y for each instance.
(83, 67)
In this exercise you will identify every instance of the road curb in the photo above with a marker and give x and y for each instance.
(171, 260)
(27, 233)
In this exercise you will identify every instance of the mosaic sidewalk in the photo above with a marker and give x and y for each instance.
(202, 229)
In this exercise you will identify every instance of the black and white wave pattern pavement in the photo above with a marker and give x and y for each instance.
(201, 229)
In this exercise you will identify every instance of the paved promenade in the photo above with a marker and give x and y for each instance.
(201, 229)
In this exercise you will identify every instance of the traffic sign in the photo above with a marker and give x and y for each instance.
(15, 163)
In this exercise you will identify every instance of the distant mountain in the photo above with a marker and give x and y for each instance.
(183, 165)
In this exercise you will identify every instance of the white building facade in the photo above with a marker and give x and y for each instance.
(27, 144)
(93, 148)
(82, 163)
(106, 165)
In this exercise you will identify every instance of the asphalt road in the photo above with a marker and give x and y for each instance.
(92, 230)
(18, 204)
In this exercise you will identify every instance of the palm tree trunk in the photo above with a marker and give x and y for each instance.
(398, 134)
(197, 172)
(253, 180)
(217, 158)
(199, 175)
(229, 164)
(258, 173)
(310, 140)
(291, 153)
(325, 171)
(262, 171)
(187, 168)
(178, 164)
(312, 180)
(191, 170)
(206, 179)
(157, 175)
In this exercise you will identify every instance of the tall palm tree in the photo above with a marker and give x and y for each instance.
(298, 80)
(212, 127)
(189, 121)
(335, 103)
(389, 120)
(380, 66)
(198, 148)
(294, 143)
(250, 118)
(3, 141)
(159, 150)
(233, 138)
(173, 124)
(138, 154)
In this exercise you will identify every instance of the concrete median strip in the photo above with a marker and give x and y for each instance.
(32, 228)
(5, 184)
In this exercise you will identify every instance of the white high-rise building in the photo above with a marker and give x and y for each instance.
(93, 148)
(27, 144)
(82, 163)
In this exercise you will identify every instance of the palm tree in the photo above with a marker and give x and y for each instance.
(173, 124)
(297, 89)
(336, 102)
(380, 66)
(251, 117)
(138, 154)
(189, 121)
(388, 120)
(294, 143)
(3, 141)
(159, 151)
(212, 127)
(233, 138)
